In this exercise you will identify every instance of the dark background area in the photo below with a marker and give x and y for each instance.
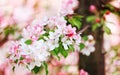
(93, 64)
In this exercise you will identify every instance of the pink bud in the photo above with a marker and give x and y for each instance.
(92, 8)
(82, 72)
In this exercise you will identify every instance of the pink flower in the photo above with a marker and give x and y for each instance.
(33, 31)
(68, 6)
(14, 48)
(69, 31)
(62, 73)
(82, 72)
(27, 59)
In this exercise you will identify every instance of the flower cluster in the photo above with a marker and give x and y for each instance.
(40, 39)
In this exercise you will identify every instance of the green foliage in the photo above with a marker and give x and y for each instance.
(85, 38)
(13, 68)
(75, 21)
(82, 46)
(63, 51)
(90, 19)
(71, 48)
(106, 29)
(46, 67)
(110, 7)
(55, 52)
(21, 58)
(28, 42)
(9, 30)
(95, 26)
(42, 36)
(16, 61)
(36, 69)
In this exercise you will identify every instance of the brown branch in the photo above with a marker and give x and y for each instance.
(85, 28)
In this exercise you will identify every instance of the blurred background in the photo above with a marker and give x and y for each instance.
(101, 18)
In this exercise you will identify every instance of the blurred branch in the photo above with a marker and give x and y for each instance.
(84, 29)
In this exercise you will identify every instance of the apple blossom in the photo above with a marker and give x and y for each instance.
(89, 46)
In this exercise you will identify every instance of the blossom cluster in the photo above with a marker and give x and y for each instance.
(41, 38)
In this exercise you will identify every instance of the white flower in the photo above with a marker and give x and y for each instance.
(89, 46)
(86, 51)
(66, 42)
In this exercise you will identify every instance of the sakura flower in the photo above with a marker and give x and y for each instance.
(14, 48)
(66, 42)
(33, 31)
(53, 40)
(89, 46)
(69, 31)
(35, 54)
(68, 6)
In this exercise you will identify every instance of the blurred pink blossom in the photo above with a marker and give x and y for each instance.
(93, 8)
(82, 72)
(113, 22)
(115, 3)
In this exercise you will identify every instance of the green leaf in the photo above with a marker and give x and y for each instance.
(110, 7)
(71, 48)
(82, 46)
(21, 58)
(63, 51)
(106, 29)
(36, 69)
(55, 52)
(75, 21)
(13, 68)
(9, 30)
(16, 61)
(85, 38)
(95, 26)
(90, 18)
(28, 42)
(42, 36)
(46, 67)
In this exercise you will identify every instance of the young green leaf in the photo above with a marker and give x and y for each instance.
(85, 38)
(13, 68)
(46, 67)
(36, 69)
(63, 51)
(82, 46)
(106, 29)
(75, 21)
(9, 30)
(28, 42)
(90, 18)
(71, 48)
(55, 52)
(95, 26)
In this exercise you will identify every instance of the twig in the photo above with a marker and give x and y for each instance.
(86, 27)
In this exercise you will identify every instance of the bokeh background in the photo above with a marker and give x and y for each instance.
(17, 14)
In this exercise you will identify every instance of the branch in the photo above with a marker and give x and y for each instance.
(85, 28)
